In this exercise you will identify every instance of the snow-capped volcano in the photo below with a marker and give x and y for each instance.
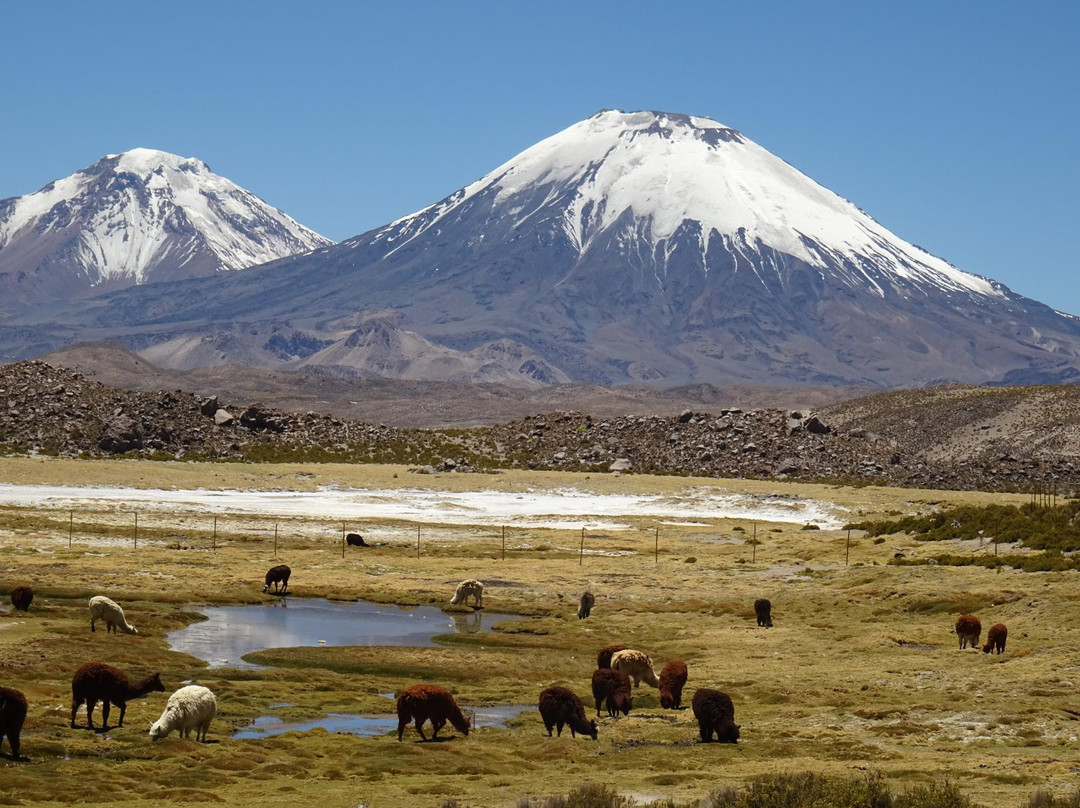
(641, 246)
(137, 217)
(668, 172)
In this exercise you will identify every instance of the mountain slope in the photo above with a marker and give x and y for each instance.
(134, 218)
(646, 247)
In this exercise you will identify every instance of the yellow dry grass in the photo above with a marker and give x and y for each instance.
(861, 670)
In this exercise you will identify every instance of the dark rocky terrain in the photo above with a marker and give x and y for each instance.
(953, 437)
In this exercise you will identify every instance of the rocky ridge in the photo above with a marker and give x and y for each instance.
(59, 412)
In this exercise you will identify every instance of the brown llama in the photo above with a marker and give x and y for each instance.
(612, 688)
(995, 639)
(561, 706)
(763, 612)
(95, 681)
(588, 600)
(968, 629)
(278, 575)
(420, 703)
(603, 657)
(12, 716)
(672, 679)
(715, 713)
(22, 597)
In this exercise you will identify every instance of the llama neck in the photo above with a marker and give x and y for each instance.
(457, 719)
(142, 688)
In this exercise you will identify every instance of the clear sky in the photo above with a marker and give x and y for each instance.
(955, 124)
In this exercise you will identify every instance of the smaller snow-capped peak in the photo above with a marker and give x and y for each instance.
(669, 169)
(145, 214)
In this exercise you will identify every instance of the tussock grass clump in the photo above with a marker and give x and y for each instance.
(1048, 561)
(800, 790)
(1037, 527)
(1043, 799)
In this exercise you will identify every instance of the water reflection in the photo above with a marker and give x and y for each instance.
(230, 632)
(367, 726)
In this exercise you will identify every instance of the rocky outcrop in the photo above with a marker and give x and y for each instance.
(48, 410)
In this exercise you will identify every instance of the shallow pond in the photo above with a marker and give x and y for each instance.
(230, 632)
(367, 726)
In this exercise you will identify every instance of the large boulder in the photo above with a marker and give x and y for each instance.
(209, 406)
(120, 434)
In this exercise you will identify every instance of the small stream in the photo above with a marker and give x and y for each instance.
(230, 632)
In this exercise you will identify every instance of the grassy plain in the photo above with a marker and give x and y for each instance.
(860, 673)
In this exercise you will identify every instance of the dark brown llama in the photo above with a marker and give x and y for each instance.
(12, 716)
(603, 657)
(420, 703)
(588, 600)
(715, 713)
(560, 706)
(278, 575)
(612, 688)
(763, 612)
(22, 597)
(95, 682)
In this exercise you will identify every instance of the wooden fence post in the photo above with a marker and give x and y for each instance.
(581, 555)
(136, 530)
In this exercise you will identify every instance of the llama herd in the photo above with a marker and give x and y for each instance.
(619, 670)
(191, 707)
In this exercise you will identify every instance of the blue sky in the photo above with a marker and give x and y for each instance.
(953, 124)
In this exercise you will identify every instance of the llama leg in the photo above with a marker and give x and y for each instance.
(106, 706)
(90, 705)
(402, 722)
(75, 704)
(420, 729)
(123, 709)
(92, 624)
(436, 726)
